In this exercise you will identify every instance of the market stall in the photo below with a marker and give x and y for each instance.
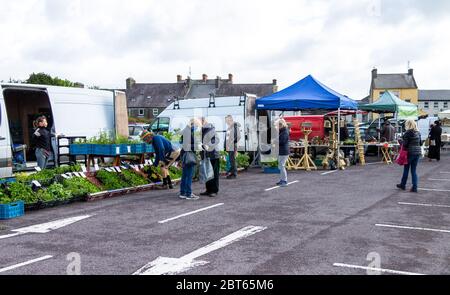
(309, 94)
(402, 110)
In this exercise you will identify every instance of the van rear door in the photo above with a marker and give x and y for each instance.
(5, 141)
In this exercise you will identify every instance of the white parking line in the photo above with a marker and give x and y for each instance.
(433, 190)
(374, 163)
(190, 213)
(25, 263)
(425, 205)
(275, 187)
(436, 179)
(398, 272)
(329, 172)
(445, 172)
(414, 228)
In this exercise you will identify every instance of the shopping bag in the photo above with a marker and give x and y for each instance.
(206, 171)
(402, 158)
(189, 158)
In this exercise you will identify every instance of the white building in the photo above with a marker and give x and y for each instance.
(434, 101)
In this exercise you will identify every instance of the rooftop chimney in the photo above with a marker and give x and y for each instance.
(204, 77)
(230, 78)
(218, 80)
(130, 83)
(274, 82)
(179, 78)
(410, 72)
(374, 73)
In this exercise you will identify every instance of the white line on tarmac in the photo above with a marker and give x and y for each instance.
(436, 179)
(25, 263)
(374, 163)
(445, 172)
(275, 187)
(433, 190)
(190, 213)
(377, 269)
(329, 172)
(424, 205)
(414, 228)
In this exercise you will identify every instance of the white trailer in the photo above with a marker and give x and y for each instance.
(242, 108)
(70, 112)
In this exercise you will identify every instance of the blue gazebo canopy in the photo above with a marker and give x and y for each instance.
(306, 94)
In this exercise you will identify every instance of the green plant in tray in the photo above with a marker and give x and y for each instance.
(110, 180)
(133, 179)
(21, 191)
(79, 186)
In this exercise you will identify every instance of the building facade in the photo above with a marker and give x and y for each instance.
(403, 86)
(433, 102)
(147, 100)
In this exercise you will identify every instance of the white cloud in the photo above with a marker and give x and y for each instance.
(102, 42)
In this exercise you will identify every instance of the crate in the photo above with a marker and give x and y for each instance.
(138, 148)
(12, 210)
(125, 149)
(149, 148)
(271, 170)
(106, 149)
(80, 149)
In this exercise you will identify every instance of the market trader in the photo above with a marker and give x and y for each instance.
(165, 154)
(387, 134)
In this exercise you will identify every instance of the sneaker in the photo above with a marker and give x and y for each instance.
(231, 176)
(284, 184)
(401, 187)
(204, 194)
(213, 195)
(413, 190)
(182, 197)
(279, 183)
(192, 197)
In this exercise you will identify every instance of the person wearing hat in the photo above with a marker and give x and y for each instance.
(165, 154)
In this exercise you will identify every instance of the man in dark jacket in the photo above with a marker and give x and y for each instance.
(434, 149)
(165, 154)
(411, 143)
(387, 134)
(209, 143)
(232, 138)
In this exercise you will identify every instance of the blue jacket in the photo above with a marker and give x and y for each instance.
(163, 148)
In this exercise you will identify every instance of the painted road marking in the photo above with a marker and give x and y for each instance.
(45, 227)
(377, 269)
(25, 263)
(275, 187)
(436, 179)
(329, 172)
(374, 163)
(445, 172)
(433, 190)
(190, 213)
(414, 228)
(170, 266)
(425, 205)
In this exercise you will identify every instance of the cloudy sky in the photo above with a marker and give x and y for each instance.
(102, 42)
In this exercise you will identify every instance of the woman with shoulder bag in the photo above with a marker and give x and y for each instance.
(411, 143)
(188, 160)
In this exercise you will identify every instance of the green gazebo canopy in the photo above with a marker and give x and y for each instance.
(389, 103)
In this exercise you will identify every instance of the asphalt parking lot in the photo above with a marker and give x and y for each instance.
(344, 222)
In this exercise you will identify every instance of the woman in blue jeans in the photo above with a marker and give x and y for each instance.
(411, 143)
(188, 146)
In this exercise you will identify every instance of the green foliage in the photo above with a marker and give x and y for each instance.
(175, 172)
(45, 79)
(133, 179)
(4, 199)
(134, 120)
(272, 164)
(243, 160)
(154, 173)
(21, 177)
(21, 191)
(65, 169)
(80, 186)
(110, 180)
(58, 192)
(108, 137)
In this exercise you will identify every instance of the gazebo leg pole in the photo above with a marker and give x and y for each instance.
(338, 164)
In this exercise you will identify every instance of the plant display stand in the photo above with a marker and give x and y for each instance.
(359, 143)
(306, 162)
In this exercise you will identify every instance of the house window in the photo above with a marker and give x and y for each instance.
(381, 94)
(436, 105)
(407, 100)
(445, 105)
(155, 112)
(141, 112)
(426, 105)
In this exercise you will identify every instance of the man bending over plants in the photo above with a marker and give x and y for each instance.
(165, 154)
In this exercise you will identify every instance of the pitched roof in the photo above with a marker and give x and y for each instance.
(200, 91)
(394, 81)
(157, 95)
(237, 89)
(434, 95)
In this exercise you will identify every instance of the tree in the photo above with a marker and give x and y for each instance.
(45, 79)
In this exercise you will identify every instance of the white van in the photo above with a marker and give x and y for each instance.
(70, 112)
(177, 115)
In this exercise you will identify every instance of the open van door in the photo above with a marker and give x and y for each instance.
(120, 113)
(5, 141)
